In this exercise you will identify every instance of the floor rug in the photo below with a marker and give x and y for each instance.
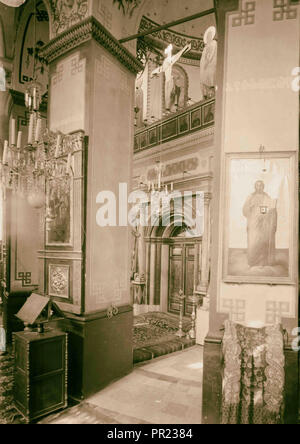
(154, 335)
(8, 413)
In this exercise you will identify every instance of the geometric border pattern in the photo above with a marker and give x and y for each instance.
(246, 15)
(283, 10)
(275, 311)
(236, 309)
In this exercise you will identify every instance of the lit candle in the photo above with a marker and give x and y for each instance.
(19, 140)
(38, 129)
(13, 132)
(57, 146)
(30, 130)
(5, 149)
(34, 98)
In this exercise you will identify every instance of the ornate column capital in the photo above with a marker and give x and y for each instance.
(83, 32)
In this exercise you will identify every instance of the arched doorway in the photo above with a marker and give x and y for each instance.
(182, 272)
(173, 265)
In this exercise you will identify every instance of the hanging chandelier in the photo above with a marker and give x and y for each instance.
(25, 168)
(158, 185)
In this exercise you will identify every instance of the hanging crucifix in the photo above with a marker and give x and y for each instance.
(166, 67)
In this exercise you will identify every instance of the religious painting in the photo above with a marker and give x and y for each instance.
(136, 143)
(153, 136)
(183, 122)
(169, 129)
(259, 230)
(59, 212)
(208, 113)
(196, 119)
(143, 139)
(59, 280)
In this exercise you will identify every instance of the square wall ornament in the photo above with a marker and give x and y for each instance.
(59, 281)
(260, 227)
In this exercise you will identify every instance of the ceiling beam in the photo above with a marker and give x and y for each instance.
(168, 25)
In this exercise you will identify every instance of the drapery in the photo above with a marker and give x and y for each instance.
(253, 379)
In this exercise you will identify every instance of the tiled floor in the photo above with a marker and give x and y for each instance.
(166, 391)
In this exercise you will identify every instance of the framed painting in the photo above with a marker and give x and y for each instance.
(183, 123)
(153, 136)
(260, 227)
(59, 213)
(196, 119)
(59, 281)
(143, 140)
(169, 129)
(208, 113)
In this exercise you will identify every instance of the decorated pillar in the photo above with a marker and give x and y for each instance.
(257, 145)
(205, 247)
(91, 92)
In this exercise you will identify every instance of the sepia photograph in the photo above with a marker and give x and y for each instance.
(149, 215)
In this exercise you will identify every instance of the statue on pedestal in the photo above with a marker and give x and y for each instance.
(208, 64)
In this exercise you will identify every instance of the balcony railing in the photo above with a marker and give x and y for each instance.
(195, 118)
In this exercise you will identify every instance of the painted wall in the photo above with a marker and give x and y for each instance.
(110, 128)
(260, 108)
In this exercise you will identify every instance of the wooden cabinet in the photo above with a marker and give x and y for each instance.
(40, 378)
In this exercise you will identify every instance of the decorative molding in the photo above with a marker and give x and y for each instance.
(166, 35)
(83, 32)
(246, 15)
(175, 125)
(177, 144)
(59, 280)
(283, 10)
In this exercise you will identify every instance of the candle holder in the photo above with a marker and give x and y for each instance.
(194, 299)
(181, 298)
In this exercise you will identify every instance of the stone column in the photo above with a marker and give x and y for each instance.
(205, 248)
(92, 85)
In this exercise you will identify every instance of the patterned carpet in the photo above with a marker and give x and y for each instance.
(154, 335)
(8, 414)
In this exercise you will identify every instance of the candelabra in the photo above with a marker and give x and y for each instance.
(181, 298)
(157, 186)
(46, 155)
(194, 300)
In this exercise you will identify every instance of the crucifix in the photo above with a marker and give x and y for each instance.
(166, 67)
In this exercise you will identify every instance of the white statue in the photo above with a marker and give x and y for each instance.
(2, 78)
(167, 69)
(208, 64)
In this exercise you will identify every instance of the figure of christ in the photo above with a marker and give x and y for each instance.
(261, 213)
(166, 67)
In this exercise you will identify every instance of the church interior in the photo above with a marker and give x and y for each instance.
(149, 211)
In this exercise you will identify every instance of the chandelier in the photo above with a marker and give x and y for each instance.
(158, 185)
(26, 168)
